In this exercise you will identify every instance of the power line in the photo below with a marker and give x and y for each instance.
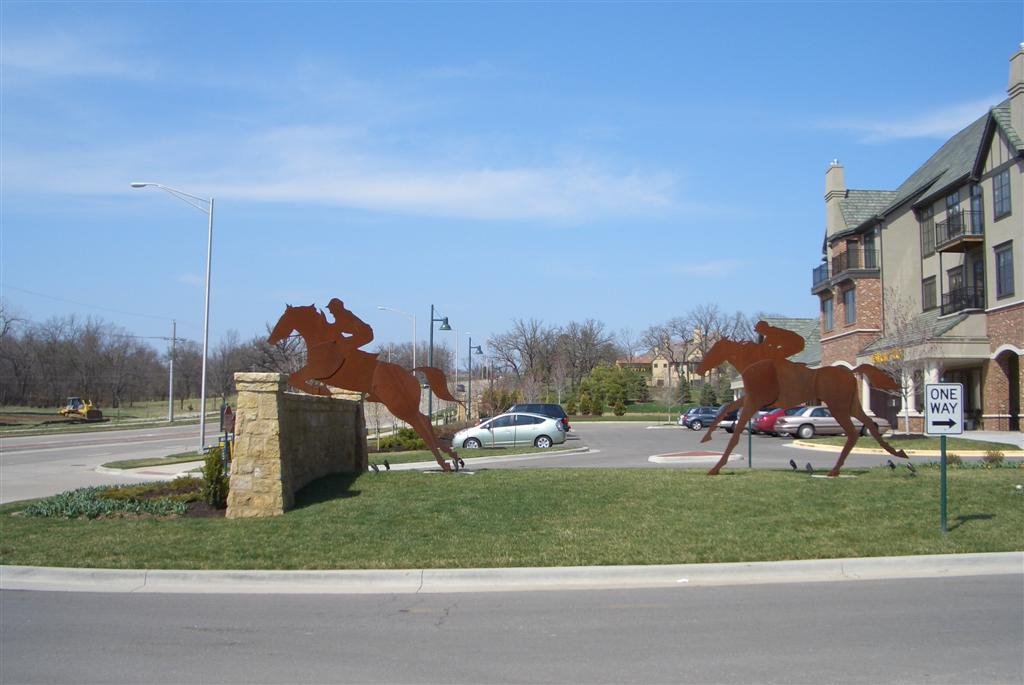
(84, 304)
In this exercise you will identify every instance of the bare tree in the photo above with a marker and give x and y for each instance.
(912, 343)
(630, 342)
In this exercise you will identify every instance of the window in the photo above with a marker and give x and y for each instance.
(870, 257)
(953, 216)
(524, 420)
(928, 294)
(1001, 193)
(850, 305)
(955, 278)
(826, 312)
(977, 210)
(1004, 269)
(927, 231)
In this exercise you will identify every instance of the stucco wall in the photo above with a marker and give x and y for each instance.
(285, 440)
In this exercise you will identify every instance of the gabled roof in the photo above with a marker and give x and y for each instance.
(809, 330)
(925, 326)
(1001, 114)
(952, 162)
(863, 205)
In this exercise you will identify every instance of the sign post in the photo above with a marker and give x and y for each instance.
(943, 415)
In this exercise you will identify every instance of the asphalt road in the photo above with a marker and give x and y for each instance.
(946, 630)
(45, 465)
(633, 444)
(37, 466)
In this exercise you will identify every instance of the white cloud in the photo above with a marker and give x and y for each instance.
(936, 123)
(191, 279)
(344, 167)
(61, 54)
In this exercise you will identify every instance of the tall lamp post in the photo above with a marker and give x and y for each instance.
(469, 383)
(411, 316)
(204, 205)
(443, 320)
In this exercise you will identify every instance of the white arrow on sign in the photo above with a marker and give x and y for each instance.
(943, 409)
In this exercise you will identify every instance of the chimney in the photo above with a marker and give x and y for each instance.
(835, 190)
(1016, 91)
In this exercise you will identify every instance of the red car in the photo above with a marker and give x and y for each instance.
(765, 423)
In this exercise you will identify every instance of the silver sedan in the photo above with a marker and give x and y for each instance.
(818, 420)
(512, 429)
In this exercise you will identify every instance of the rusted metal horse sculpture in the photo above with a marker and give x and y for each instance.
(783, 383)
(333, 362)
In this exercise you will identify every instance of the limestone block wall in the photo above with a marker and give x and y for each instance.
(284, 440)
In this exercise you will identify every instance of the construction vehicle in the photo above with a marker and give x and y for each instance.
(77, 408)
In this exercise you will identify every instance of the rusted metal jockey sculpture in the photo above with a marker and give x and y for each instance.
(770, 379)
(333, 358)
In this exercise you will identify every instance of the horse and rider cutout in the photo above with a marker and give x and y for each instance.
(770, 379)
(333, 358)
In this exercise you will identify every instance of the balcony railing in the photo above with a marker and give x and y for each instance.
(819, 275)
(855, 260)
(961, 228)
(959, 299)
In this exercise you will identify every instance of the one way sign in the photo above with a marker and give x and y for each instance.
(944, 409)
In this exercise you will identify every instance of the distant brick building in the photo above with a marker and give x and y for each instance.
(932, 273)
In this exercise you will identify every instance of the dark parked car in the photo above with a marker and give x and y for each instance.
(696, 418)
(555, 411)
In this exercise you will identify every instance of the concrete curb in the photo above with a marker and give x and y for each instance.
(803, 444)
(412, 581)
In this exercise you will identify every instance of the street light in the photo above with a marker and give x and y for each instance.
(430, 355)
(469, 384)
(411, 316)
(204, 205)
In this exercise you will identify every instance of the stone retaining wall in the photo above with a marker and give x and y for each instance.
(284, 440)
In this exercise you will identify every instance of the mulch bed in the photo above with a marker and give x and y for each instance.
(203, 510)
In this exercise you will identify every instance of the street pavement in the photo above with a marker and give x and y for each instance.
(926, 630)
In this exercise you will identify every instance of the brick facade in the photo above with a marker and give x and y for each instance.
(1005, 327)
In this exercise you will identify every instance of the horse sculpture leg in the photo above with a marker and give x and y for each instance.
(300, 379)
(858, 413)
(399, 392)
(843, 417)
(718, 419)
(749, 407)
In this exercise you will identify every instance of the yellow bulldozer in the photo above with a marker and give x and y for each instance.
(77, 408)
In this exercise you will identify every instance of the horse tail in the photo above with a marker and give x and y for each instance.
(877, 378)
(437, 381)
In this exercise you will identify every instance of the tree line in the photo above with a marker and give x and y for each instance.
(43, 363)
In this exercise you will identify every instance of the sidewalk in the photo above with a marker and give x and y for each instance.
(416, 581)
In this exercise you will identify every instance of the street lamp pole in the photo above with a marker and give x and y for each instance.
(430, 355)
(469, 383)
(198, 203)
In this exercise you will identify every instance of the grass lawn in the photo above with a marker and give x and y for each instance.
(180, 458)
(919, 443)
(555, 518)
(426, 455)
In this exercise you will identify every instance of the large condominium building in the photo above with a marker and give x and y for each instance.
(927, 280)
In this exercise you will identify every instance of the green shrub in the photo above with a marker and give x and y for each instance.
(215, 481)
(179, 489)
(619, 408)
(596, 406)
(92, 503)
(570, 407)
(993, 458)
(402, 440)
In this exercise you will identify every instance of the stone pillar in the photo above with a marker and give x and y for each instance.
(285, 440)
(256, 486)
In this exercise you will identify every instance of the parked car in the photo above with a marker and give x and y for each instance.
(764, 422)
(512, 429)
(818, 420)
(555, 411)
(696, 418)
(728, 422)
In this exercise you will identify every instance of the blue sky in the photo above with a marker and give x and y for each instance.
(623, 162)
